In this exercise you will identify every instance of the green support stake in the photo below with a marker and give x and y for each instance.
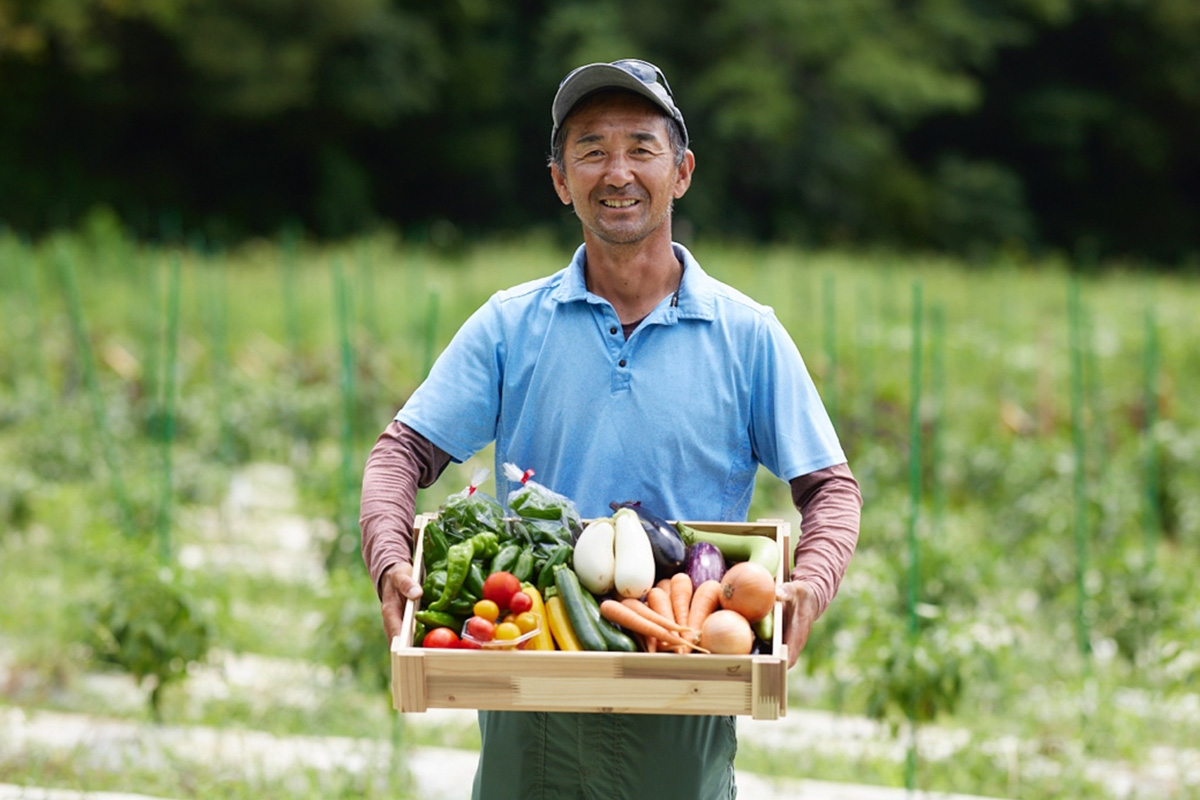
(937, 391)
(914, 546)
(347, 534)
(152, 336)
(830, 392)
(83, 345)
(169, 379)
(219, 316)
(1152, 520)
(865, 361)
(1079, 434)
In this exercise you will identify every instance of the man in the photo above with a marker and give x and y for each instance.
(629, 375)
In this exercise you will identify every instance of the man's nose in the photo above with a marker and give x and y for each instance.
(620, 170)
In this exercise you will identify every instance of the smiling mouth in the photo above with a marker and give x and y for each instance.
(618, 203)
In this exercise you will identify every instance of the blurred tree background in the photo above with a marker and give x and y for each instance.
(965, 126)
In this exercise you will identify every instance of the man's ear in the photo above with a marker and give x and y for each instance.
(684, 177)
(560, 185)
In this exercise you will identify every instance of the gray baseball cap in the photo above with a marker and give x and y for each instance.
(631, 74)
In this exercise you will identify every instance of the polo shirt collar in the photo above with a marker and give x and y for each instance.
(697, 294)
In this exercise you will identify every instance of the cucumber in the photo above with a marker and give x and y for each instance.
(571, 592)
(765, 628)
(617, 640)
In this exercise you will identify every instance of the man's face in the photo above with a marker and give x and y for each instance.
(619, 169)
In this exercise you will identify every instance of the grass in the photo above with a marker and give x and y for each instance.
(260, 381)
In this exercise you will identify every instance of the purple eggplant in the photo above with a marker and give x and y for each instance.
(704, 562)
(670, 552)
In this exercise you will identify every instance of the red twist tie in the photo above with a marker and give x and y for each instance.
(528, 474)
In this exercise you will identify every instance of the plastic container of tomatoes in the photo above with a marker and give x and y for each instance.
(494, 643)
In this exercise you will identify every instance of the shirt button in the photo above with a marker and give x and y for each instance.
(613, 330)
(621, 363)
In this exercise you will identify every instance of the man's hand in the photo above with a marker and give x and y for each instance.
(398, 588)
(799, 614)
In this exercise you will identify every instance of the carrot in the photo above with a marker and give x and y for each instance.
(661, 620)
(664, 584)
(628, 618)
(660, 602)
(705, 600)
(681, 596)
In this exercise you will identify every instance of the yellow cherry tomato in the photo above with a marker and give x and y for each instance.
(507, 631)
(527, 621)
(487, 609)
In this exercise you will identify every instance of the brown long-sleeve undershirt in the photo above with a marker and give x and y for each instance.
(402, 460)
(830, 505)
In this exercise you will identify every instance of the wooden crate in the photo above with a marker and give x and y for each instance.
(640, 683)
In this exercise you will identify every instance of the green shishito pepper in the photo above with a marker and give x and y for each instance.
(523, 568)
(506, 558)
(437, 619)
(487, 544)
(473, 585)
(559, 555)
(435, 544)
(435, 583)
(458, 564)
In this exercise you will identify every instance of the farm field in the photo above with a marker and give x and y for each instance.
(182, 431)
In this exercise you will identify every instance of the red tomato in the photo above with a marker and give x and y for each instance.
(440, 637)
(480, 629)
(499, 587)
(519, 603)
(468, 644)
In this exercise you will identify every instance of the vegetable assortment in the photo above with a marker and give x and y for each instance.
(538, 578)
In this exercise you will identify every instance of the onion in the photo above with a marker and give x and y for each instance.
(726, 632)
(749, 589)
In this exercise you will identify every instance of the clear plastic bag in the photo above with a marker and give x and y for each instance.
(544, 516)
(466, 513)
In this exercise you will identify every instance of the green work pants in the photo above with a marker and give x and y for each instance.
(529, 755)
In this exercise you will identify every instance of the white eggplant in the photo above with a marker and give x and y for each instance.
(633, 573)
(595, 556)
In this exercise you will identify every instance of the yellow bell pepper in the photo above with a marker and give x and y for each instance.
(544, 640)
(560, 626)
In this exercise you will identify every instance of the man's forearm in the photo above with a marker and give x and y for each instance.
(400, 462)
(830, 506)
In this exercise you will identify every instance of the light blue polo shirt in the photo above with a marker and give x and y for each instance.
(679, 416)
